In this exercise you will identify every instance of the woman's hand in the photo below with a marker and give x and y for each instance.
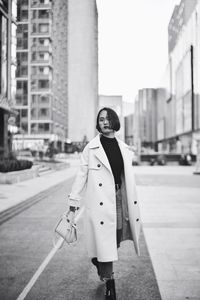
(71, 215)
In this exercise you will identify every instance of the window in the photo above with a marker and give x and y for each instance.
(41, 55)
(43, 84)
(33, 56)
(43, 28)
(33, 84)
(44, 112)
(44, 99)
(24, 113)
(34, 99)
(22, 36)
(34, 128)
(24, 127)
(22, 92)
(43, 127)
(33, 70)
(43, 14)
(41, 41)
(34, 28)
(34, 14)
(22, 64)
(33, 113)
(41, 70)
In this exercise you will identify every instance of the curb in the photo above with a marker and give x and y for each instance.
(25, 204)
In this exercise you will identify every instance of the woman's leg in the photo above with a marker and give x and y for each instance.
(105, 270)
(107, 275)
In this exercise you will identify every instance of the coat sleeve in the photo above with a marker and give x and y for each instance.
(80, 180)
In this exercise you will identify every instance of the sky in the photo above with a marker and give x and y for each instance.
(133, 44)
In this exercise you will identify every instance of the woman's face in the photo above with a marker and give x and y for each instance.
(104, 123)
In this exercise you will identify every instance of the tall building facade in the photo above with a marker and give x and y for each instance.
(8, 12)
(129, 129)
(56, 81)
(82, 69)
(184, 47)
(145, 124)
(41, 97)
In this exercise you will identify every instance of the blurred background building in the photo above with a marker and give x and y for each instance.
(57, 67)
(8, 13)
(82, 69)
(167, 119)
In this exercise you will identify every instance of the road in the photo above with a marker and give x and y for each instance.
(26, 240)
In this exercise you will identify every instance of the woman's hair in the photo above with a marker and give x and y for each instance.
(112, 117)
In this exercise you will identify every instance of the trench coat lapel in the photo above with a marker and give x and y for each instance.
(99, 152)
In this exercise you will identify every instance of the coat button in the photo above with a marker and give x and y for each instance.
(101, 203)
(137, 220)
(135, 202)
(98, 165)
(100, 184)
(101, 222)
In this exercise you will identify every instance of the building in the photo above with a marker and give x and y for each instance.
(145, 124)
(114, 102)
(42, 117)
(82, 70)
(184, 47)
(128, 109)
(129, 129)
(56, 82)
(8, 10)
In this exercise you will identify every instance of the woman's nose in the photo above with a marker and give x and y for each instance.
(105, 121)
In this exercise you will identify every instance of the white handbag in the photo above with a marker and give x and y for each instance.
(66, 229)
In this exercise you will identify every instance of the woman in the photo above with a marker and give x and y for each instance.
(111, 206)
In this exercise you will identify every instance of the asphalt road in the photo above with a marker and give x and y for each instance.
(26, 240)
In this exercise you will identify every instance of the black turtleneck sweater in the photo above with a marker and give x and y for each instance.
(112, 150)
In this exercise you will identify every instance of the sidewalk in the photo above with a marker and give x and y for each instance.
(170, 211)
(12, 196)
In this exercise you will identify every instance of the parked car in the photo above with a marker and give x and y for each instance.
(159, 159)
(185, 160)
(24, 155)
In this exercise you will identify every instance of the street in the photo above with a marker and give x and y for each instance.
(26, 240)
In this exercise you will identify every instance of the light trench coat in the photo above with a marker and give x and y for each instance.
(95, 182)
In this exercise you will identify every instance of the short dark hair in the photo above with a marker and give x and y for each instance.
(112, 117)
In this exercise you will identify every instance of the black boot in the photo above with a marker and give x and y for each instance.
(96, 264)
(110, 290)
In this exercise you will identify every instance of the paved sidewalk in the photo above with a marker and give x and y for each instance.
(170, 211)
(14, 194)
